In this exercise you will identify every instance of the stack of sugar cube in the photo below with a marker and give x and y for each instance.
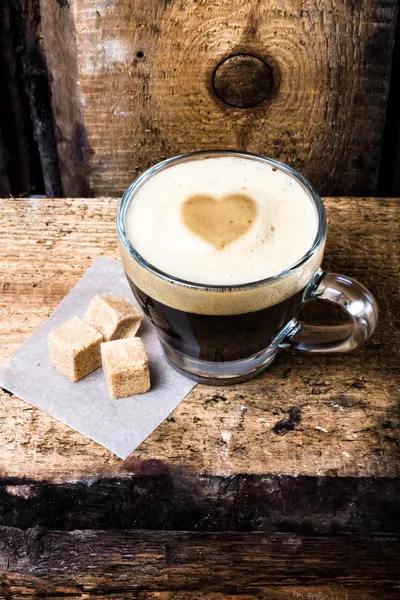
(105, 336)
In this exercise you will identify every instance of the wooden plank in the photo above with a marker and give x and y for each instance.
(37, 82)
(177, 499)
(145, 84)
(60, 47)
(228, 457)
(275, 593)
(348, 404)
(57, 562)
(37, 86)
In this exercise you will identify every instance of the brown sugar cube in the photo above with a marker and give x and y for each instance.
(74, 348)
(125, 367)
(114, 317)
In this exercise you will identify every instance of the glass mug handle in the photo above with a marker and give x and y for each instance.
(350, 295)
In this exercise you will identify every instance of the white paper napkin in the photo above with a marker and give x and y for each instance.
(119, 425)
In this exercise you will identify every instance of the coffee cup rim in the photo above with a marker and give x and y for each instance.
(199, 155)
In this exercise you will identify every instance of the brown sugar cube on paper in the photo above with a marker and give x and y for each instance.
(119, 425)
(114, 317)
(125, 367)
(74, 348)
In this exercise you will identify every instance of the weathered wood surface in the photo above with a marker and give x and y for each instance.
(37, 86)
(132, 84)
(348, 404)
(61, 58)
(226, 563)
(271, 593)
(181, 500)
(313, 448)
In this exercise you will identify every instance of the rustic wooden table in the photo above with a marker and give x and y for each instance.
(284, 487)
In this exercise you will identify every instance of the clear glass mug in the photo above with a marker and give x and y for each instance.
(201, 329)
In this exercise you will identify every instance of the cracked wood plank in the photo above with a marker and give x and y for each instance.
(95, 562)
(137, 77)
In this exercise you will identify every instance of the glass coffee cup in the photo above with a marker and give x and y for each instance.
(196, 234)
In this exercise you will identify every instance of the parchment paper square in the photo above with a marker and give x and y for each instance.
(119, 425)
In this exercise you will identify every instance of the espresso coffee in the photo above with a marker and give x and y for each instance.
(211, 234)
(217, 338)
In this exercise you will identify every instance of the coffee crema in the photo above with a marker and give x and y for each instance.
(221, 221)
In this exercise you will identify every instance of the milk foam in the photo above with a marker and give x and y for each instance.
(284, 229)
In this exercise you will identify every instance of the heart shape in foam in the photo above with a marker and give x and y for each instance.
(219, 221)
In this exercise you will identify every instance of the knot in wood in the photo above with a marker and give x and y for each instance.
(242, 80)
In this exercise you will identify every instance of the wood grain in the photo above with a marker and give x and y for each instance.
(16, 591)
(61, 56)
(57, 562)
(331, 592)
(144, 80)
(348, 405)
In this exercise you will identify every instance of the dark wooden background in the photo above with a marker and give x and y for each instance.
(93, 92)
